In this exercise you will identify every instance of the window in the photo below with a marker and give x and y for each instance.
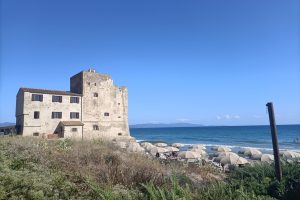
(106, 114)
(37, 97)
(36, 115)
(56, 98)
(74, 129)
(74, 99)
(36, 134)
(88, 83)
(119, 116)
(56, 115)
(95, 94)
(95, 84)
(74, 115)
(95, 127)
(119, 104)
(119, 134)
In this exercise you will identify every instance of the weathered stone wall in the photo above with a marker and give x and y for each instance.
(75, 83)
(101, 96)
(20, 112)
(45, 124)
(102, 104)
(68, 133)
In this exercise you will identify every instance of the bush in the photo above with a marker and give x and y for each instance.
(33, 168)
(166, 191)
(260, 179)
(228, 192)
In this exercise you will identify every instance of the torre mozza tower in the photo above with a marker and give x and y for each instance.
(93, 108)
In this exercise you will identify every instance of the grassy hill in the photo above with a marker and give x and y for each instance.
(33, 168)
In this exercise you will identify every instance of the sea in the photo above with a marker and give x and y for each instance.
(235, 137)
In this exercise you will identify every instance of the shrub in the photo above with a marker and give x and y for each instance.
(228, 192)
(64, 144)
(166, 191)
(32, 168)
(260, 179)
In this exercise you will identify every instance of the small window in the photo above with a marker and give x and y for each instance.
(95, 127)
(74, 115)
(119, 104)
(95, 94)
(37, 97)
(106, 114)
(74, 99)
(119, 117)
(95, 84)
(36, 134)
(119, 134)
(56, 98)
(36, 115)
(74, 129)
(56, 115)
(88, 83)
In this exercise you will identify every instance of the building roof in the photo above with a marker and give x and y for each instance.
(72, 123)
(44, 91)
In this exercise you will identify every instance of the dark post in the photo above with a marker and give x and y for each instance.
(274, 141)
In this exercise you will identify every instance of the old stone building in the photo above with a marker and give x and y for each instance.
(93, 108)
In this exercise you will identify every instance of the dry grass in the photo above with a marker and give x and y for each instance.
(89, 166)
(99, 159)
(32, 168)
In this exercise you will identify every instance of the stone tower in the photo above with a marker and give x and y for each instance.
(104, 106)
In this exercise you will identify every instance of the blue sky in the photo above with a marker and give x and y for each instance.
(208, 62)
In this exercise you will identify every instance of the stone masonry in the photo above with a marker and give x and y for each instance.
(93, 108)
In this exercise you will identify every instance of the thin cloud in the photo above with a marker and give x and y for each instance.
(154, 122)
(228, 117)
(182, 120)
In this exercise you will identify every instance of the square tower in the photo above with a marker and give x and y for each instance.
(104, 105)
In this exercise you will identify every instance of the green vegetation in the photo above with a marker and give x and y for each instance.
(259, 179)
(33, 168)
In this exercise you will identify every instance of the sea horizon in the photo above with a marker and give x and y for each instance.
(201, 125)
(232, 136)
(195, 125)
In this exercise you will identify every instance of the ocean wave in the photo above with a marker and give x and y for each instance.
(254, 141)
(233, 137)
(240, 147)
(230, 146)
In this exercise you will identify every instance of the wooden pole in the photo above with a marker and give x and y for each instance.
(274, 141)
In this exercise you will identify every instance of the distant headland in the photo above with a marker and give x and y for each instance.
(164, 125)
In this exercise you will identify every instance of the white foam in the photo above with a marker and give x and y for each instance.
(232, 146)
(236, 146)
